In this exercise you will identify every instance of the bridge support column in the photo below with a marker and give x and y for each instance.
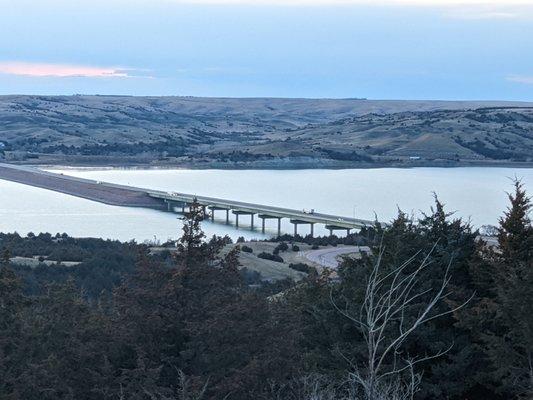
(183, 208)
(338, 228)
(216, 208)
(264, 217)
(239, 212)
(297, 222)
(169, 206)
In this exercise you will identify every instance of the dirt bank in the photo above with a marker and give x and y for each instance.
(78, 187)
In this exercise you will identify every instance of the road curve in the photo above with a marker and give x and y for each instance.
(329, 257)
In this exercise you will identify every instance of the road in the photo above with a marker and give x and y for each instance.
(92, 190)
(329, 257)
(298, 216)
(129, 196)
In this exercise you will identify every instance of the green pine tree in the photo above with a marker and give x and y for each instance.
(510, 342)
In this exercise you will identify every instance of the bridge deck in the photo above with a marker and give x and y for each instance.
(129, 196)
(263, 210)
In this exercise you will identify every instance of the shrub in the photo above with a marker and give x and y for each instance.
(247, 249)
(282, 247)
(302, 267)
(271, 257)
(241, 239)
(315, 247)
(295, 248)
(250, 277)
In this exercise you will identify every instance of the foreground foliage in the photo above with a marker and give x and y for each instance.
(431, 313)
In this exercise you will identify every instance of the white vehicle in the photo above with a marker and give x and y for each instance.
(311, 211)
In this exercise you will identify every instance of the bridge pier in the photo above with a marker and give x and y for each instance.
(214, 208)
(265, 217)
(297, 222)
(237, 213)
(172, 205)
(332, 228)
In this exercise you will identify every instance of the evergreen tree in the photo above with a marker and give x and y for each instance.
(6, 257)
(510, 343)
(333, 345)
(12, 304)
(193, 249)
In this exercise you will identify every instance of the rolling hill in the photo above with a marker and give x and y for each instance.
(262, 133)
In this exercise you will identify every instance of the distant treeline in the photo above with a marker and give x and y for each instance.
(431, 313)
(171, 148)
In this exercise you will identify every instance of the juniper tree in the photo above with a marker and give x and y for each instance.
(510, 343)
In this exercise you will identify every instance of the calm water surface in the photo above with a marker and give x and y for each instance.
(476, 193)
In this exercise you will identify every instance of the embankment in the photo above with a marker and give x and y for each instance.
(91, 190)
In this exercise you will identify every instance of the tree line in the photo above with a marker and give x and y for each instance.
(432, 312)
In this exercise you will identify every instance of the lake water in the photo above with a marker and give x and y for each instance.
(476, 193)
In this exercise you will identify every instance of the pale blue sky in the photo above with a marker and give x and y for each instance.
(395, 49)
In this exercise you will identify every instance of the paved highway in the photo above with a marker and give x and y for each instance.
(123, 195)
(330, 257)
(298, 216)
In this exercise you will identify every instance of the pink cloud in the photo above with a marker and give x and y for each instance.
(60, 70)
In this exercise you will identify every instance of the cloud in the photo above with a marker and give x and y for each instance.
(61, 70)
(528, 80)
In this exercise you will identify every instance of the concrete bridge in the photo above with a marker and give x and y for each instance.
(180, 201)
(129, 196)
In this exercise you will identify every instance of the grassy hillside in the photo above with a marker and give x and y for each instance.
(269, 133)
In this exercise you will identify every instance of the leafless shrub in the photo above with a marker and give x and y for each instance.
(184, 391)
(388, 373)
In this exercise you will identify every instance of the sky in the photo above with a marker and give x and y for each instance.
(376, 49)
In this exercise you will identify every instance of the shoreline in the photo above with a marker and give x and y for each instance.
(287, 164)
(255, 167)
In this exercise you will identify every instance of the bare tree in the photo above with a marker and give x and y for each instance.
(308, 387)
(184, 391)
(388, 373)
